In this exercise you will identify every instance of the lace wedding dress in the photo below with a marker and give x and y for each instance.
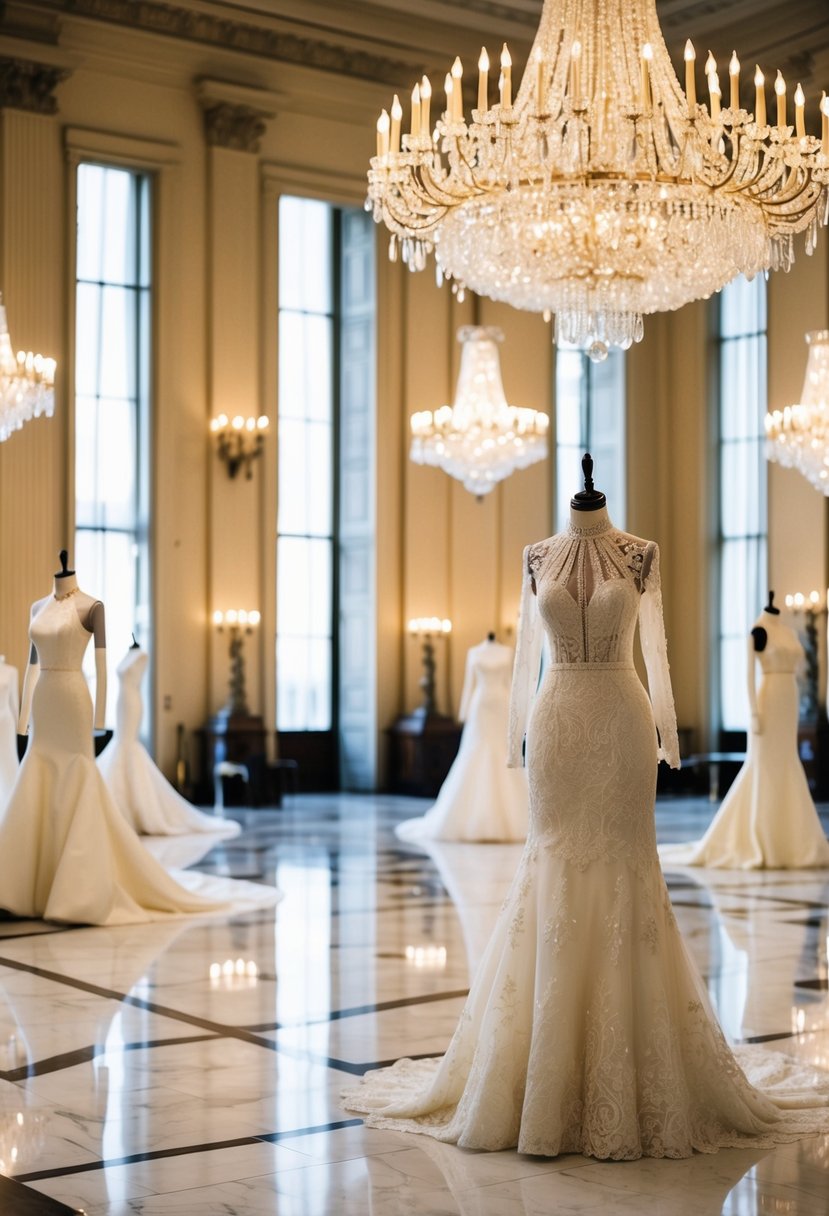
(141, 792)
(9, 706)
(767, 819)
(66, 852)
(481, 799)
(587, 1028)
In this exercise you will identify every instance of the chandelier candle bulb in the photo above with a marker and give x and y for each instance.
(759, 98)
(824, 124)
(575, 70)
(780, 91)
(539, 82)
(715, 95)
(396, 119)
(506, 78)
(457, 90)
(415, 125)
(483, 81)
(448, 89)
(734, 81)
(645, 77)
(425, 105)
(383, 134)
(799, 115)
(690, 75)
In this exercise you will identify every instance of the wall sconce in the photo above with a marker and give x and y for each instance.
(425, 627)
(238, 622)
(239, 441)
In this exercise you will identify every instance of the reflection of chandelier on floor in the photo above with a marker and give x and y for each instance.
(27, 383)
(479, 439)
(603, 191)
(797, 437)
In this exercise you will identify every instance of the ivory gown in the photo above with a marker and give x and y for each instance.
(9, 708)
(143, 795)
(66, 852)
(767, 819)
(481, 799)
(587, 1028)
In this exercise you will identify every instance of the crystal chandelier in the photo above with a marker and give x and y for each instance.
(480, 439)
(797, 437)
(27, 383)
(602, 191)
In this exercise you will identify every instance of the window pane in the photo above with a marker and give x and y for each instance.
(112, 351)
(743, 408)
(305, 255)
(590, 416)
(743, 307)
(305, 366)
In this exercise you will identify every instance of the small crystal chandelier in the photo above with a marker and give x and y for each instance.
(797, 437)
(602, 191)
(27, 383)
(480, 439)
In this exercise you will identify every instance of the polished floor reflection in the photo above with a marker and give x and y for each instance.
(194, 1067)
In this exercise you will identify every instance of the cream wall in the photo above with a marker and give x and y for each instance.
(134, 98)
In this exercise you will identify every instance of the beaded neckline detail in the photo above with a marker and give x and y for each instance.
(66, 594)
(590, 529)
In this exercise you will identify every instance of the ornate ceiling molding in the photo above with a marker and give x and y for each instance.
(172, 21)
(27, 85)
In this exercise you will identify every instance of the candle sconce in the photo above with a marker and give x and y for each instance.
(427, 627)
(239, 441)
(807, 609)
(238, 622)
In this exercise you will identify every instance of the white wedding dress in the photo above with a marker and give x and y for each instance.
(9, 705)
(588, 1028)
(66, 852)
(481, 799)
(767, 819)
(141, 792)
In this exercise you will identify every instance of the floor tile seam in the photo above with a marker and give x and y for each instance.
(186, 1150)
(338, 1015)
(219, 1029)
(83, 1055)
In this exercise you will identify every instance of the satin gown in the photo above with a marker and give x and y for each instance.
(66, 852)
(9, 699)
(140, 791)
(767, 819)
(481, 799)
(587, 1028)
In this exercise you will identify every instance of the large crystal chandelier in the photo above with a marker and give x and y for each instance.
(797, 437)
(602, 191)
(27, 383)
(479, 439)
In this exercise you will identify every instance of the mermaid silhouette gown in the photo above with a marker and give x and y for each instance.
(66, 852)
(587, 1028)
(481, 799)
(142, 794)
(767, 818)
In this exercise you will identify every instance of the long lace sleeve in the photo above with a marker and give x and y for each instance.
(525, 669)
(655, 651)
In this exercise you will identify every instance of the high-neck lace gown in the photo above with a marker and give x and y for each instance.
(141, 792)
(481, 799)
(587, 1028)
(66, 852)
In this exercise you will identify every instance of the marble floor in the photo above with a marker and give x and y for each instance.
(194, 1067)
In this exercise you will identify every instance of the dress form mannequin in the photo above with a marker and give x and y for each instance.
(8, 728)
(91, 615)
(767, 819)
(481, 799)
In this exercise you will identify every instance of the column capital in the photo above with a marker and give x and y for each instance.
(28, 85)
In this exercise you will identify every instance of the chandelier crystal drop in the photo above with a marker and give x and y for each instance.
(797, 437)
(603, 191)
(27, 384)
(480, 439)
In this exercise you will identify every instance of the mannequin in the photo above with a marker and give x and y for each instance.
(767, 819)
(91, 615)
(8, 728)
(481, 799)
